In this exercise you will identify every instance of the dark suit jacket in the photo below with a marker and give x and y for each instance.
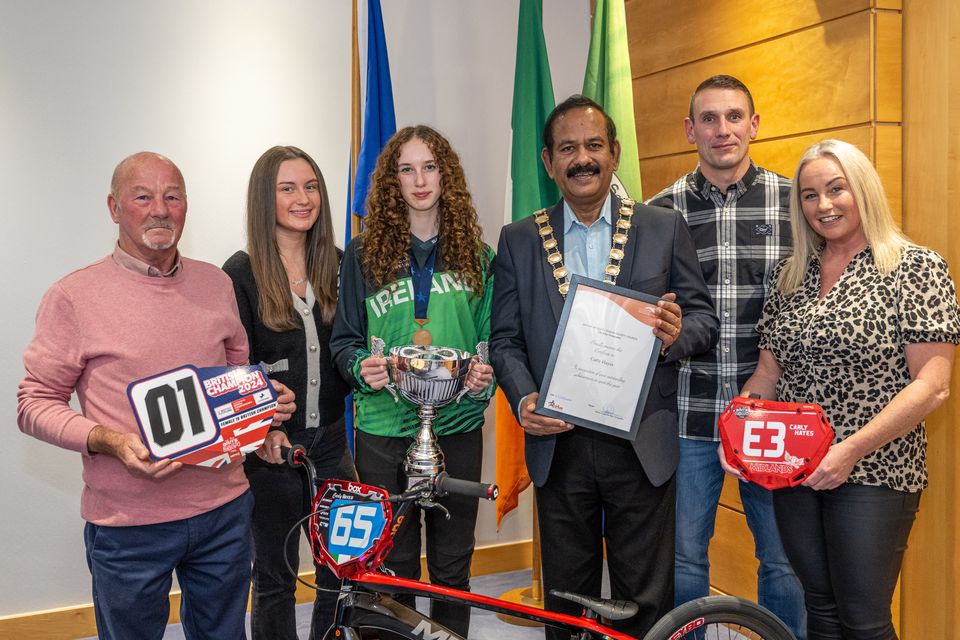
(660, 257)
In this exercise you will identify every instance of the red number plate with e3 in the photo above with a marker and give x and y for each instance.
(774, 444)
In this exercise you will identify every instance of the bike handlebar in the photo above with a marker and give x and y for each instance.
(444, 484)
(292, 454)
(296, 456)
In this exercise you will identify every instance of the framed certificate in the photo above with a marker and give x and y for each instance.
(603, 358)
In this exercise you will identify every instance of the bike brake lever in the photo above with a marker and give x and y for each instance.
(417, 492)
(430, 504)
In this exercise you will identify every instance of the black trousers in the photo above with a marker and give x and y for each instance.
(846, 545)
(597, 491)
(281, 497)
(450, 542)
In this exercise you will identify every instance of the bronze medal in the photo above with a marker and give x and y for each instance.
(421, 336)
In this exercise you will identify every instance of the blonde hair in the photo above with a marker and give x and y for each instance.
(884, 238)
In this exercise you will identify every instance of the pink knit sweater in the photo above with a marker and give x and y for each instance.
(102, 327)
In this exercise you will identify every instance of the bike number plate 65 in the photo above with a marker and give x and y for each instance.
(350, 525)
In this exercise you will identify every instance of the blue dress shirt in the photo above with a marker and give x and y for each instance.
(587, 249)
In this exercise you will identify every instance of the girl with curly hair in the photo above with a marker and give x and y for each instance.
(419, 273)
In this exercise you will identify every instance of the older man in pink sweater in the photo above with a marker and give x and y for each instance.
(143, 309)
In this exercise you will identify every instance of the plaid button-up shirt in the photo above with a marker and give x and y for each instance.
(740, 236)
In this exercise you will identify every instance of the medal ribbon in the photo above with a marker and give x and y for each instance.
(422, 279)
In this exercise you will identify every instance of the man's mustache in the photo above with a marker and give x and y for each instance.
(159, 224)
(583, 169)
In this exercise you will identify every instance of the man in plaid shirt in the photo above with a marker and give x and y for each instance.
(738, 215)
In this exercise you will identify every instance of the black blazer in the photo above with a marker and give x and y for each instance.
(660, 257)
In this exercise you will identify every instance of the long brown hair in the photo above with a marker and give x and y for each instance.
(386, 239)
(273, 289)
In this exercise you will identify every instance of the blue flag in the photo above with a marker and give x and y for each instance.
(379, 123)
(379, 119)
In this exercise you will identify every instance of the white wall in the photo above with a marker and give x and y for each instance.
(211, 84)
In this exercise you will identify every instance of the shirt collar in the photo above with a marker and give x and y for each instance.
(570, 218)
(703, 186)
(136, 265)
(425, 245)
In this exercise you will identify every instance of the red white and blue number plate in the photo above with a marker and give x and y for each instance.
(350, 528)
(204, 416)
(774, 444)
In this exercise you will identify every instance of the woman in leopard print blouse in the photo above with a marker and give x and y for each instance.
(864, 323)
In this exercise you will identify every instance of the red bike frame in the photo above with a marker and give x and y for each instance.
(377, 527)
(380, 581)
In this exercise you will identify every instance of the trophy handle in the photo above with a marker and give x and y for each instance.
(377, 346)
(483, 355)
(392, 388)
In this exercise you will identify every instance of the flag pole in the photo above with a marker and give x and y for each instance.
(531, 596)
(354, 113)
(529, 188)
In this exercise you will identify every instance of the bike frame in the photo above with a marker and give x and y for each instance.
(366, 593)
(365, 602)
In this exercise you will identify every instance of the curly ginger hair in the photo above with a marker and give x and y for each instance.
(386, 239)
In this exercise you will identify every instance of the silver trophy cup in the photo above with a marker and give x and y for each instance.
(429, 377)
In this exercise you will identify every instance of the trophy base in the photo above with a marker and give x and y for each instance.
(423, 464)
(424, 457)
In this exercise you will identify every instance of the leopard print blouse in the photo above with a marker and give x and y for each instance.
(846, 352)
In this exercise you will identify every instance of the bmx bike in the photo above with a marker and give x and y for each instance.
(352, 526)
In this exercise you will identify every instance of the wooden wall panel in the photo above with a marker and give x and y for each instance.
(882, 145)
(822, 89)
(730, 494)
(888, 85)
(733, 566)
(886, 156)
(780, 155)
(783, 155)
(817, 69)
(709, 28)
(930, 582)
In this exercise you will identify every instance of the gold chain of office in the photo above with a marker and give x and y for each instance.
(618, 241)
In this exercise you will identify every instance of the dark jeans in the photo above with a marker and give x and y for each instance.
(449, 542)
(597, 491)
(699, 482)
(281, 498)
(132, 570)
(846, 546)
